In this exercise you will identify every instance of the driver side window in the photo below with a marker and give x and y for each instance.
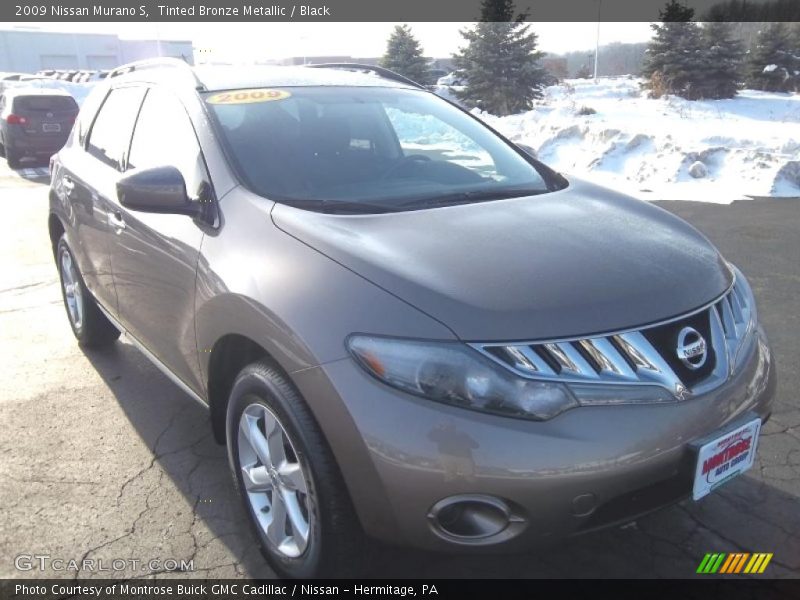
(164, 136)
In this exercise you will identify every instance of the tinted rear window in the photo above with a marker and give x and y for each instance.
(48, 103)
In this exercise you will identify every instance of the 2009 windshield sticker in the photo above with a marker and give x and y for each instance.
(248, 96)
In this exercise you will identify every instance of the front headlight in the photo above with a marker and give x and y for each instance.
(454, 373)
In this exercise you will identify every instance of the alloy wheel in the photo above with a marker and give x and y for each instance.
(72, 289)
(274, 480)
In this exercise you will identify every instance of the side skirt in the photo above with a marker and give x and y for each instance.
(153, 359)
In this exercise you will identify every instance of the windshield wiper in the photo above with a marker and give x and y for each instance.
(466, 197)
(341, 206)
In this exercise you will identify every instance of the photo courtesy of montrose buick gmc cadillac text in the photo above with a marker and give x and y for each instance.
(404, 326)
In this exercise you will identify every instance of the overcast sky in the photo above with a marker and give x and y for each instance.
(243, 42)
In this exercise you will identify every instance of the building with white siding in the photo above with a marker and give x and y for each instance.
(29, 51)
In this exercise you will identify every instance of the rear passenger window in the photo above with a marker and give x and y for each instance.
(87, 113)
(164, 136)
(111, 132)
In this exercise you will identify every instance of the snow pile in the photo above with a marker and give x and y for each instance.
(713, 151)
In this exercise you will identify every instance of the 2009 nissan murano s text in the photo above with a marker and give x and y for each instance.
(403, 325)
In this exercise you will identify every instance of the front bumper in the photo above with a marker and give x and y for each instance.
(587, 468)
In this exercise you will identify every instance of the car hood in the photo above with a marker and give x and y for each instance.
(576, 262)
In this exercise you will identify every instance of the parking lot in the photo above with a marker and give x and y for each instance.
(102, 457)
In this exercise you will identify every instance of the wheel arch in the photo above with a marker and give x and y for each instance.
(233, 331)
(228, 356)
(56, 229)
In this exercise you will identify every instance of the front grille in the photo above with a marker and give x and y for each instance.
(665, 339)
(649, 355)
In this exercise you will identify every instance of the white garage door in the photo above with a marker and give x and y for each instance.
(101, 61)
(59, 61)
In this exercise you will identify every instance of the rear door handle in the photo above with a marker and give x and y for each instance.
(116, 221)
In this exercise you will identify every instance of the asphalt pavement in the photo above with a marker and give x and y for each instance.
(102, 457)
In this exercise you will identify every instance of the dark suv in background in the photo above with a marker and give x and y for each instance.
(34, 122)
(401, 323)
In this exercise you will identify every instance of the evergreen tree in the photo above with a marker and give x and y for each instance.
(404, 56)
(794, 36)
(771, 63)
(500, 63)
(747, 11)
(674, 61)
(499, 11)
(675, 12)
(584, 72)
(794, 46)
(723, 55)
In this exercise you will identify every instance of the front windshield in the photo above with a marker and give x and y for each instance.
(376, 148)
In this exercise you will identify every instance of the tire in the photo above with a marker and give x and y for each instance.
(334, 546)
(91, 327)
(13, 159)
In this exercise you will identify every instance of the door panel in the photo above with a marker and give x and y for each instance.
(88, 183)
(154, 260)
(89, 208)
(155, 257)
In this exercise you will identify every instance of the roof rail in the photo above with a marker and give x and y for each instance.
(380, 71)
(156, 63)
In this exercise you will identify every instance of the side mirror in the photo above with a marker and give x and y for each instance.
(527, 150)
(156, 190)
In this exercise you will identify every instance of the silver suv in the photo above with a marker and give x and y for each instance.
(402, 324)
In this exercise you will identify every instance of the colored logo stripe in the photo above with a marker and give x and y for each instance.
(735, 562)
(758, 563)
(729, 562)
(721, 562)
(711, 563)
(739, 566)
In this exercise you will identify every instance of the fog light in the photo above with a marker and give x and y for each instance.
(470, 517)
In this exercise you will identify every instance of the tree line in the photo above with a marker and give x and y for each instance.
(500, 64)
(708, 61)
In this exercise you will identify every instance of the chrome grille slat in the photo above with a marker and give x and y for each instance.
(727, 318)
(736, 307)
(722, 347)
(650, 366)
(570, 361)
(612, 364)
(529, 360)
(629, 357)
(584, 368)
(561, 359)
(635, 350)
(740, 296)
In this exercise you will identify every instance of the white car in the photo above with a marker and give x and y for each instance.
(450, 80)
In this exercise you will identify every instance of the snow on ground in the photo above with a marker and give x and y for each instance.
(747, 146)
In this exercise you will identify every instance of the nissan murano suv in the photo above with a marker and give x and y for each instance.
(404, 326)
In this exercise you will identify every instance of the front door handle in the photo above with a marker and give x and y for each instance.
(116, 221)
(69, 185)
